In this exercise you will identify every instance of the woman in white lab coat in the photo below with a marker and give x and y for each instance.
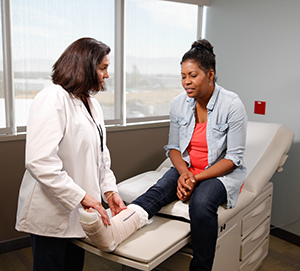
(67, 160)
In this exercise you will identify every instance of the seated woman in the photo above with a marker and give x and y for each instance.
(206, 146)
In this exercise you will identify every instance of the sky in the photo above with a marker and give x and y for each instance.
(154, 29)
(158, 33)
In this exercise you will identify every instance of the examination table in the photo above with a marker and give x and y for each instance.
(243, 236)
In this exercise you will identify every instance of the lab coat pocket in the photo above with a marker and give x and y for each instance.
(46, 213)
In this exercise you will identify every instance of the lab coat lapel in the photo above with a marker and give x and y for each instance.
(85, 111)
(82, 107)
(94, 112)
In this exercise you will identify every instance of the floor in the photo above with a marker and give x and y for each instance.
(283, 256)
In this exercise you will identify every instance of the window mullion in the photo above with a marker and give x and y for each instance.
(119, 77)
(200, 22)
(193, 2)
(8, 67)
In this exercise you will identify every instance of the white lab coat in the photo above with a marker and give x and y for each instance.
(63, 163)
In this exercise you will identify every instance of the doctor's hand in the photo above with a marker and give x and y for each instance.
(185, 185)
(115, 202)
(89, 202)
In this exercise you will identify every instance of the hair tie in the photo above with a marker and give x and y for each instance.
(200, 46)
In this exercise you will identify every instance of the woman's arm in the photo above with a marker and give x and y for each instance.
(178, 162)
(45, 130)
(221, 168)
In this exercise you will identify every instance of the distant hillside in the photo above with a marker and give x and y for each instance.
(167, 66)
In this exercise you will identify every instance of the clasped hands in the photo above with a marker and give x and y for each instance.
(185, 185)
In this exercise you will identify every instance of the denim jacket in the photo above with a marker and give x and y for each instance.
(226, 134)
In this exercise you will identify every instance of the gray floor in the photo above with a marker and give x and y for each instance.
(283, 256)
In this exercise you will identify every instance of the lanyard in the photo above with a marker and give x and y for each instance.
(100, 133)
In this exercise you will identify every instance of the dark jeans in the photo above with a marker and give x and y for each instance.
(207, 196)
(55, 254)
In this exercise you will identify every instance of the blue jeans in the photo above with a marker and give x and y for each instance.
(207, 196)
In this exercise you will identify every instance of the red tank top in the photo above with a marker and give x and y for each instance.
(197, 149)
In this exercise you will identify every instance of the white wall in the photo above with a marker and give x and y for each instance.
(257, 44)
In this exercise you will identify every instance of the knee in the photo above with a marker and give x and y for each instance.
(201, 209)
(167, 183)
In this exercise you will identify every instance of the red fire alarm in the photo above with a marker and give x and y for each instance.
(259, 107)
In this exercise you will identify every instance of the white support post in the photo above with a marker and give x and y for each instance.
(8, 68)
(120, 79)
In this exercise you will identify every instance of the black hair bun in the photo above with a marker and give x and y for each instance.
(205, 44)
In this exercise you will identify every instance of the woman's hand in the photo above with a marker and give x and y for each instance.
(115, 202)
(89, 202)
(185, 185)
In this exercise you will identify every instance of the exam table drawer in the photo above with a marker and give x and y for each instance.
(253, 240)
(253, 262)
(256, 216)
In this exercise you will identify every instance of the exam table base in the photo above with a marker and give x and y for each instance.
(243, 241)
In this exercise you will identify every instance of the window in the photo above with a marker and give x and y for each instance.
(158, 33)
(35, 33)
(42, 30)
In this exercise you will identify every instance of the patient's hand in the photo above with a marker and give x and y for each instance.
(185, 186)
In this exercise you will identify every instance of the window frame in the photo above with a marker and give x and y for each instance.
(119, 73)
(7, 70)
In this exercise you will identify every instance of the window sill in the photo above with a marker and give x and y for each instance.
(17, 137)
(137, 126)
(109, 129)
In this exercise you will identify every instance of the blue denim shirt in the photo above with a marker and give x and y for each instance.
(226, 134)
